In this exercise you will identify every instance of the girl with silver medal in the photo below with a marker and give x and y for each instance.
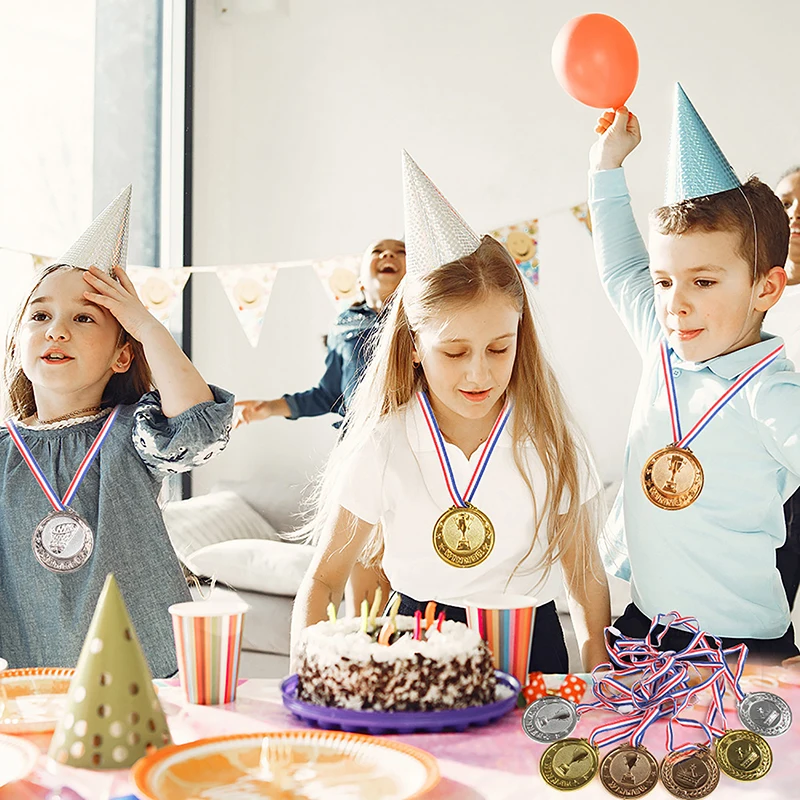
(88, 437)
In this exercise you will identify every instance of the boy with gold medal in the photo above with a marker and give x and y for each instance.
(712, 450)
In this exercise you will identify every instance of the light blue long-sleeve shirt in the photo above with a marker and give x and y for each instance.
(714, 560)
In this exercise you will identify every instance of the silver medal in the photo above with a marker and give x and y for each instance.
(63, 541)
(549, 719)
(765, 713)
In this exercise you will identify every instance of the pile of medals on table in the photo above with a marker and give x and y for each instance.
(642, 685)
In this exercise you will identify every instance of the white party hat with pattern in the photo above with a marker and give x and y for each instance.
(104, 244)
(435, 232)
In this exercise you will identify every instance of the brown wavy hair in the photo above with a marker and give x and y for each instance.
(122, 388)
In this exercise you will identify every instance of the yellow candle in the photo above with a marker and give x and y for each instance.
(376, 606)
(364, 614)
(394, 609)
(331, 612)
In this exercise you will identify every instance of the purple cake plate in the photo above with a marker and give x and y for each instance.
(382, 722)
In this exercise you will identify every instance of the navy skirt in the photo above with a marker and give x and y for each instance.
(548, 651)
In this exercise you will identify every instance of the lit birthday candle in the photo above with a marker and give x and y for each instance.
(430, 614)
(394, 609)
(417, 624)
(376, 606)
(331, 612)
(386, 633)
(364, 615)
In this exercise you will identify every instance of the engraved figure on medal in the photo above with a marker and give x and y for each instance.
(744, 755)
(463, 537)
(690, 775)
(569, 764)
(63, 541)
(549, 719)
(629, 771)
(672, 478)
(765, 713)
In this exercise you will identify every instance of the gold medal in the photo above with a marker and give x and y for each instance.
(744, 755)
(629, 771)
(672, 478)
(690, 774)
(463, 537)
(569, 764)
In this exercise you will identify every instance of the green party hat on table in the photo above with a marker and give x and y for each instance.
(113, 716)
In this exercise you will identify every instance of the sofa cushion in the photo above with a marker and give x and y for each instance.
(212, 518)
(254, 564)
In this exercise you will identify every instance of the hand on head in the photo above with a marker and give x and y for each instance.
(619, 135)
(118, 296)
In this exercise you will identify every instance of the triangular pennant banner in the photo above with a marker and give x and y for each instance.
(159, 289)
(339, 276)
(249, 289)
(520, 241)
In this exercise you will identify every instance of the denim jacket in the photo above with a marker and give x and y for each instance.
(348, 350)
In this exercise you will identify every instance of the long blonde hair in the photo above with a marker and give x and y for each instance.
(540, 413)
(18, 398)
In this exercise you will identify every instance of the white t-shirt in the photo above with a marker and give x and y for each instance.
(397, 479)
(783, 319)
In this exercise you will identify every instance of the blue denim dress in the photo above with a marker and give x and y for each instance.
(348, 353)
(44, 616)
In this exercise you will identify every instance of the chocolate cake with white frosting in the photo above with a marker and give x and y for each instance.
(342, 666)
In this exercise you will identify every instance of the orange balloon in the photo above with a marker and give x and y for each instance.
(595, 60)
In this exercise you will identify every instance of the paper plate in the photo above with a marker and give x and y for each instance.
(313, 764)
(18, 757)
(33, 700)
(381, 722)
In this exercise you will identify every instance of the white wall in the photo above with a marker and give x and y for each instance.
(300, 116)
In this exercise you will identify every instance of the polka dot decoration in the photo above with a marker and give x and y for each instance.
(113, 717)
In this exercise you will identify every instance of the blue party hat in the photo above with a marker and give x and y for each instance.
(696, 167)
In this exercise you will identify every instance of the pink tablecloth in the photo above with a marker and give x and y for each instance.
(497, 762)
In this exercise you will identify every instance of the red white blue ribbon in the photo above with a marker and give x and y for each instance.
(679, 440)
(483, 461)
(663, 689)
(41, 478)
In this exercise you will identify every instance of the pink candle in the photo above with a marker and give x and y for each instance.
(417, 624)
(439, 621)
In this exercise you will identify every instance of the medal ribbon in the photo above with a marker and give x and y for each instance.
(666, 364)
(663, 689)
(60, 505)
(444, 461)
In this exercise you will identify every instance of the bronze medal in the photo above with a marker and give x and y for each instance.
(672, 478)
(743, 755)
(690, 774)
(569, 764)
(629, 771)
(463, 537)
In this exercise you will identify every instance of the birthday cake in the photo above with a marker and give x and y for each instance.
(445, 666)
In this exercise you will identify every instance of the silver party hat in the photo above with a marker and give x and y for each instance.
(104, 244)
(696, 167)
(435, 232)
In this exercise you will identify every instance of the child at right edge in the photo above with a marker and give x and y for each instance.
(699, 516)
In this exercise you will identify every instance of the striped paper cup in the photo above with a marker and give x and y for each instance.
(505, 623)
(208, 642)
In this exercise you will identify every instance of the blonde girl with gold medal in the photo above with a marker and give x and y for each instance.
(461, 471)
(85, 446)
